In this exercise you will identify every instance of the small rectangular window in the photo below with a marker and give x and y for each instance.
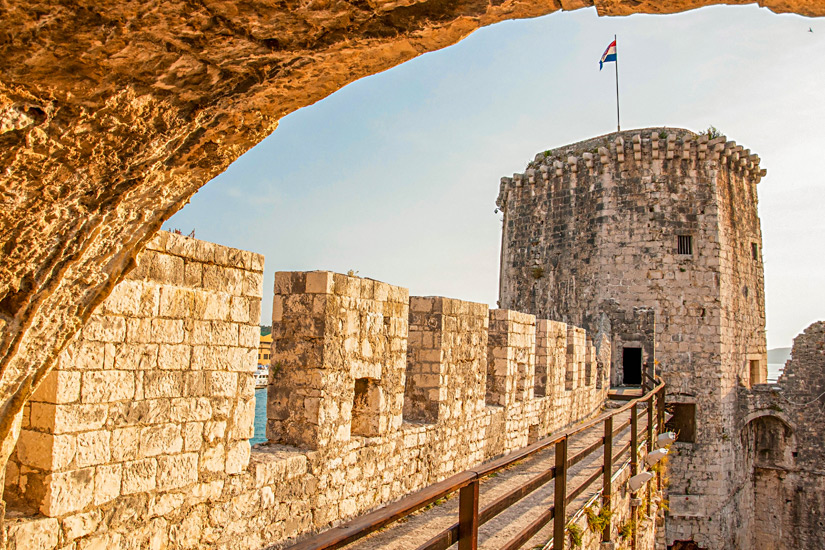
(683, 421)
(684, 244)
(755, 251)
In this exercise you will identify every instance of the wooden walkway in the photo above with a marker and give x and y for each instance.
(417, 529)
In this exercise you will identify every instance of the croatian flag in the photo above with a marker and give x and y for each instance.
(608, 55)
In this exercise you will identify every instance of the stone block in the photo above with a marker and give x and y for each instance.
(68, 492)
(77, 418)
(125, 444)
(139, 476)
(237, 457)
(45, 451)
(106, 386)
(191, 409)
(177, 471)
(160, 439)
(136, 356)
(212, 306)
(33, 534)
(223, 384)
(80, 525)
(83, 355)
(192, 436)
(240, 309)
(213, 459)
(59, 387)
(157, 384)
(319, 282)
(174, 357)
(93, 448)
(108, 479)
(177, 302)
(105, 328)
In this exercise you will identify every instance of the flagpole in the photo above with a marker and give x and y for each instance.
(618, 120)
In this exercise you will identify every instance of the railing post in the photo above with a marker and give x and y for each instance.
(660, 422)
(645, 371)
(607, 485)
(560, 500)
(468, 517)
(650, 405)
(634, 462)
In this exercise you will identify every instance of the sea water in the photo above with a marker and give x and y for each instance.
(260, 417)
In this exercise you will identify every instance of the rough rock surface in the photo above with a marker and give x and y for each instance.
(112, 114)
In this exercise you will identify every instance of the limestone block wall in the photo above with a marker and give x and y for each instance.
(338, 363)
(781, 427)
(166, 462)
(154, 395)
(445, 374)
(511, 356)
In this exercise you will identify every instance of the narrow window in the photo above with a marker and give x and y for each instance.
(684, 244)
(755, 251)
(683, 421)
(366, 407)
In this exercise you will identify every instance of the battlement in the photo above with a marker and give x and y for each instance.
(357, 357)
(615, 153)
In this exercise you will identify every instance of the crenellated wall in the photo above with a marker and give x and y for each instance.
(139, 438)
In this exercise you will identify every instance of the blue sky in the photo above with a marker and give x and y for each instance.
(395, 176)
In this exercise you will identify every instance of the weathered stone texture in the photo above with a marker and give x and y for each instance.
(784, 451)
(124, 410)
(113, 115)
(139, 438)
(591, 236)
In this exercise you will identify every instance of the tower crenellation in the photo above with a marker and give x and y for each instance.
(612, 152)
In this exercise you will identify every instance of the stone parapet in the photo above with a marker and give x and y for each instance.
(376, 393)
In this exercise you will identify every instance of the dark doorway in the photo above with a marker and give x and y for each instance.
(632, 366)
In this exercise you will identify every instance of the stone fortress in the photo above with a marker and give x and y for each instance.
(139, 437)
(651, 238)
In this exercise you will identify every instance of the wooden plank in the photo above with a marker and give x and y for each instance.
(443, 540)
(583, 487)
(581, 455)
(505, 501)
(362, 526)
(634, 440)
(528, 532)
(468, 517)
(560, 496)
(648, 506)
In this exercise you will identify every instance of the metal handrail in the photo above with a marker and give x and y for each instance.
(465, 532)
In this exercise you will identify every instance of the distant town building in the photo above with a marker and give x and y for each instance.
(264, 349)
